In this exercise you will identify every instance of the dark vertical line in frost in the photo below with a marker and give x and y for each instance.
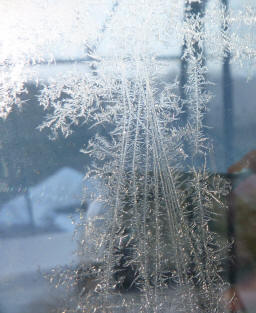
(228, 147)
(228, 112)
(30, 208)
(227, 94)
(228, 106)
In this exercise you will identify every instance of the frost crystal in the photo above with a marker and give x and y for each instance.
(158, 192)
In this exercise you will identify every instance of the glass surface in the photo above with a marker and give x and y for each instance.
(116, 120)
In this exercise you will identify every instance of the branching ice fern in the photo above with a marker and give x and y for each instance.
(143, 169)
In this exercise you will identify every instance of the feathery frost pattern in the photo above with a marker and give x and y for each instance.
(158, 192)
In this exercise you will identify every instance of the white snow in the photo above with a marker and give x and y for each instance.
(62, 190)
(34, 253)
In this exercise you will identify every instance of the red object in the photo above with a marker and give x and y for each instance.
(247, 162)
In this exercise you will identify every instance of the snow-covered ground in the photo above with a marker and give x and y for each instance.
(22, 264)
(35, 253)
(29, 294)
(52, 202)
